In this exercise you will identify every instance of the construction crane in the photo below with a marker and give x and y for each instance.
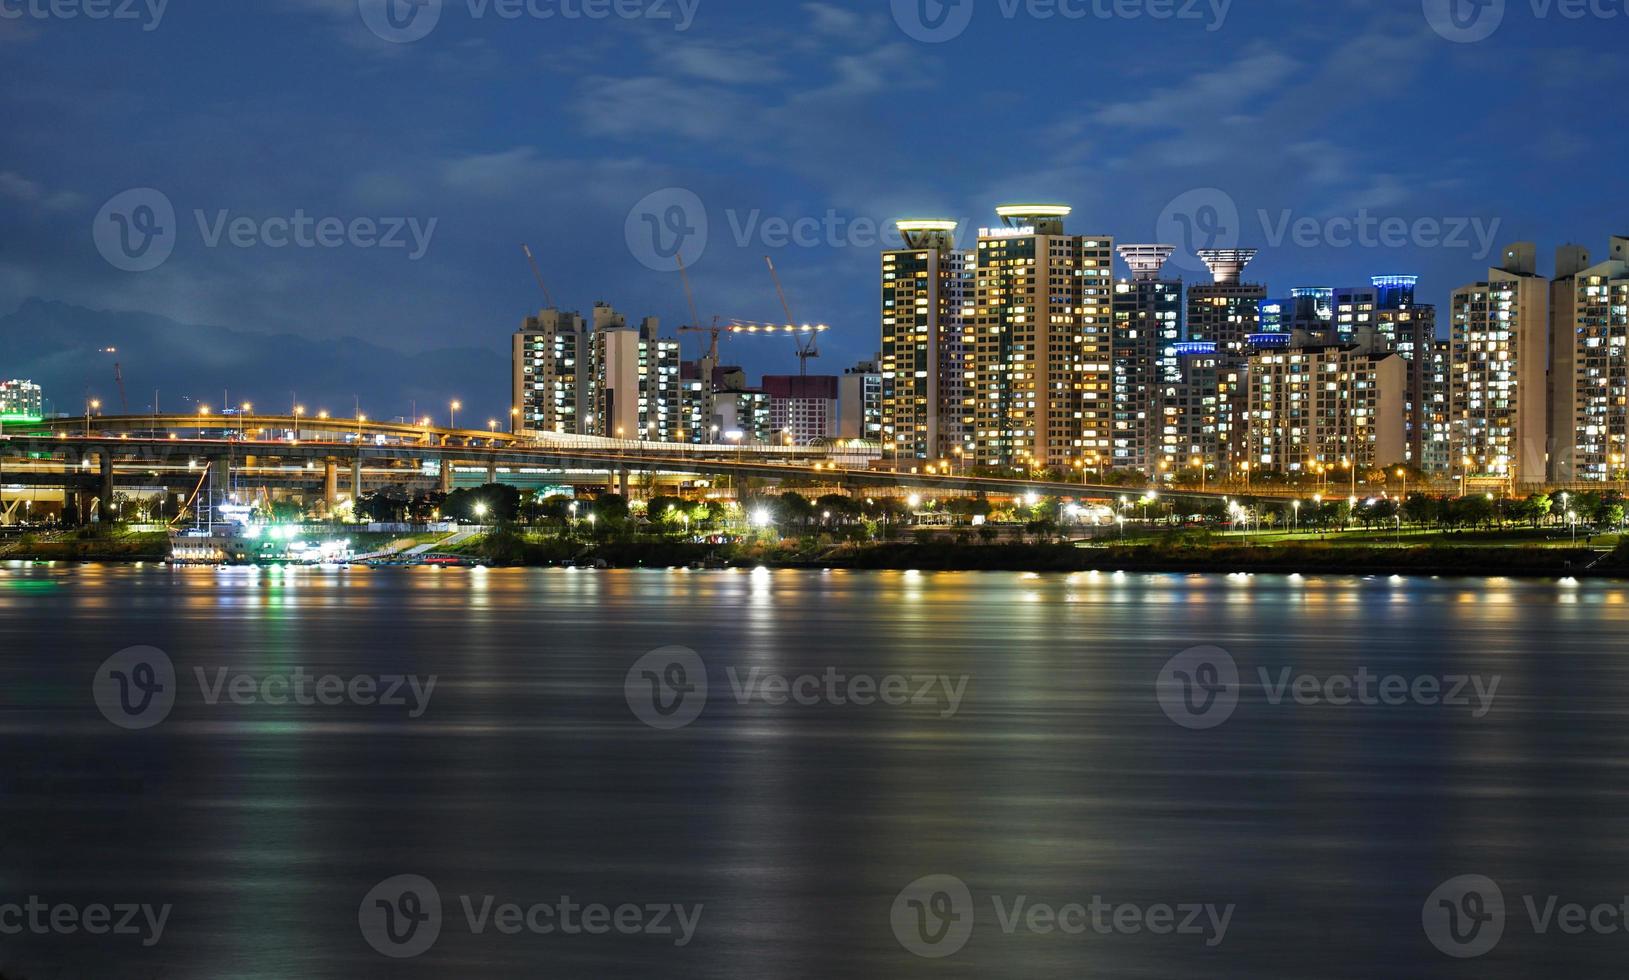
(694, 326)
(746, 327)
(808, 337)
(118, 378)
(537, 274)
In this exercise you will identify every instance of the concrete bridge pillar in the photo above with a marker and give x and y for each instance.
(105, 488)
(330, 483)
(70, 487)
(446, 476)
(492, 472)
(220, 474)
(356, 478)
(622, 482)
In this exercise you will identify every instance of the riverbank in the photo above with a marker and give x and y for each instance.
(1307, 557)
(1312, 556)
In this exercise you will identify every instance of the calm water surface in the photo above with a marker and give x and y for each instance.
(1057, 778)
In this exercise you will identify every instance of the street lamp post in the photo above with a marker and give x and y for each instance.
(452, 414)
(91, 405)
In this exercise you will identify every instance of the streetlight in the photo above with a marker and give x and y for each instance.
(452, 413)
(299, 410)
(93, 404)
(1296, 505)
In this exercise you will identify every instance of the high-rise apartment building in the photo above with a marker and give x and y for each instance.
(1352, 309)
(20, 400)
(1437, 451)
(1227, 312)
(859, 402)
(1410, 329)
(1195, 404)
(1147, 328)
(802, 408)
(551, 377)
(743, 416)
(1563, 389)
(926, 361)
(1330, 405)
(636, 380)
(1500, 370)
(1597, 434)
(1042, 379)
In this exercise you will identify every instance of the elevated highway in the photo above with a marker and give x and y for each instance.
(93, 467)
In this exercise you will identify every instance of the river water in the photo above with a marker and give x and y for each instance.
(808, 774)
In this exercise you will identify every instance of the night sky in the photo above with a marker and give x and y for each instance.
(567, 131)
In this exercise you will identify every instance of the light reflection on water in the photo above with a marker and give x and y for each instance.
(1059, 778)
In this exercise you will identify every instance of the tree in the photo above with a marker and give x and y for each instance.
(383, 507)
(610, 508)
(495, 503)
(842, 508)
(659, 507)
(426, 506)
(552, 511)
(793, 508)
(1539, 506)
